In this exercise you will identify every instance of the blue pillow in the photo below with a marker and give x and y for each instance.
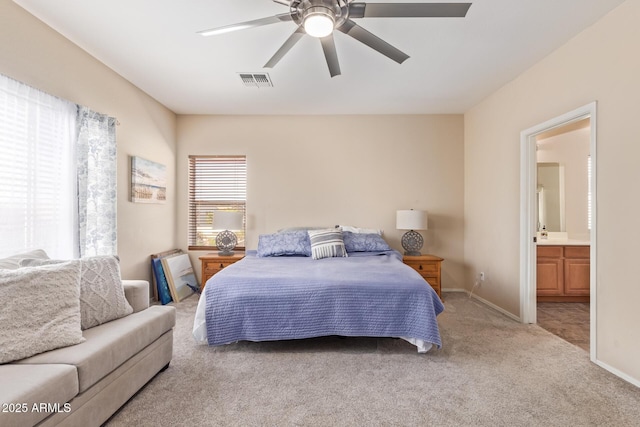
(284, 244)
(364, 242)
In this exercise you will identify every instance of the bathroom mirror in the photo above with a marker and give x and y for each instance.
(551, 197)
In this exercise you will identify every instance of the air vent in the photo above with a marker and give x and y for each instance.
(256, 79)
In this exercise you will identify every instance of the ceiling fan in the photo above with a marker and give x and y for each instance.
(319, 18)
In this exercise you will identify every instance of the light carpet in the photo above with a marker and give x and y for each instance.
(491, 371)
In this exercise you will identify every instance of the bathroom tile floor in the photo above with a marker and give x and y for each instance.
(569, 321)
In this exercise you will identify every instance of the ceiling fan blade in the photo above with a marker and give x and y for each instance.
(288, 44)
(248, 24)
(352, 29)
(408, 10)
(330, 54)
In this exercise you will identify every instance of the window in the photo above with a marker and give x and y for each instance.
(215, 183)
(37, 188)
(57, 175)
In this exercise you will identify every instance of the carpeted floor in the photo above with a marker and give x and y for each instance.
(491, 371)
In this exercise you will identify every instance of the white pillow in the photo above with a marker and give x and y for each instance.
(40, 309)
(101, 292)
(13, 261)
(358, 230)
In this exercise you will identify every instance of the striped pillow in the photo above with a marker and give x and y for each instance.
(326, 244)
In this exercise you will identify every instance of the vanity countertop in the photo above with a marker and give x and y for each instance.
(562, 242)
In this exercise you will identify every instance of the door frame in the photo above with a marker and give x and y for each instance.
(528, 180)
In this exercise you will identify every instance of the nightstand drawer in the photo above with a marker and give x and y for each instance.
(434, 280)
(429, 268)
(424, 267)
(213, 264)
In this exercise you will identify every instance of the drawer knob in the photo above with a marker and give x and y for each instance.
(420, 267)
(221, 266)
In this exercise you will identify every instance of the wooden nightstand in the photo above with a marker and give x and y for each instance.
(429, 268)
(213, 263)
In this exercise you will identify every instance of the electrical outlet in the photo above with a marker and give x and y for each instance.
(482, 276)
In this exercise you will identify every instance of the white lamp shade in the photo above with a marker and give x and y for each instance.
(411, 220)
(227, 220)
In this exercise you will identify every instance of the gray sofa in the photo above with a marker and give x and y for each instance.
(84, 384)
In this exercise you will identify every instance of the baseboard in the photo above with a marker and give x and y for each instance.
(455, 290)
(485, 302)
(618, 373)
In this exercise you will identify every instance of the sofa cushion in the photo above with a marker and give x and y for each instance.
(26, 386)
(109, 345)
(101, 293)
(40, 309)
(13, 262)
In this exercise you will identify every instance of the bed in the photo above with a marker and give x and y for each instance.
(365, 294)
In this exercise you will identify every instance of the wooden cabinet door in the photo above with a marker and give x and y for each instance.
(550, 277)
(576, 277)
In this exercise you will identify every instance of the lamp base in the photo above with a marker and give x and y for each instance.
(226, 241)
(412, 242)
(412, 253)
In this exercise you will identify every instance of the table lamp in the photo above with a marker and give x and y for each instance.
(411, 220)
(224, 222)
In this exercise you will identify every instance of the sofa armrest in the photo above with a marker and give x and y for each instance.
(137, 293)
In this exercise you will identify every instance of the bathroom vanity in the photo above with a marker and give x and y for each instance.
(563, 271)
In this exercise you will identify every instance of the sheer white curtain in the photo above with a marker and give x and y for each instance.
(96, 153)
(57, 175)
(37, 171)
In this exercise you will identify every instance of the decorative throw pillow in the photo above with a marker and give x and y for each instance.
(285, 243)
(101, 292)
(13, 262)
(359, 230)
(364, 242)
(326, 243)
(40, 309)
(290, 229)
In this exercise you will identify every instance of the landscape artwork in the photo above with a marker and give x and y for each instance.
(148, 181)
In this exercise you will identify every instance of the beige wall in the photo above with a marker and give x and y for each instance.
(327, 170)
(599, 64)
(33, 53)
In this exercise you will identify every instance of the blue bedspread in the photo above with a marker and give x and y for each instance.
(278, 298)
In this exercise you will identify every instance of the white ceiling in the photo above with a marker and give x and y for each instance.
(454, 62)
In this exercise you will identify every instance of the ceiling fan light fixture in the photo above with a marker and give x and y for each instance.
(318, 21)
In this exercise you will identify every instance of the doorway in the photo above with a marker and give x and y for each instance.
(529, 215)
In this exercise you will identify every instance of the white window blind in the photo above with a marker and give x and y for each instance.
(215, 183)
(37, 171)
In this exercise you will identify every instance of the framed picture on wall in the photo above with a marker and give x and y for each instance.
(148, 181)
